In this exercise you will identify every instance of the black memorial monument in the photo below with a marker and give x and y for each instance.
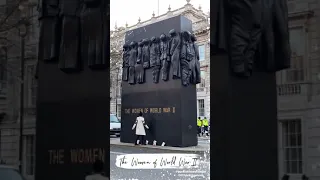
(73, 85)
(160, 73)
(249, 43)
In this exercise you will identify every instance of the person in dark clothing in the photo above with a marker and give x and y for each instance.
(285, 177)
(97, 174)
(199, 125)
(304, 177)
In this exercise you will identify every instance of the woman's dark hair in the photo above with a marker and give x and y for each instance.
(140, 113)
(98, 166)
(285, 177)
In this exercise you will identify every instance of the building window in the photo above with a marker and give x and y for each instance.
(30, 155)
(201, 52)
(203, 78)
(292, 146)
(119, 110)
(297, 44)
(201, 107)
(295, 73)
(0, 147)
(33, 86)
(3, 67)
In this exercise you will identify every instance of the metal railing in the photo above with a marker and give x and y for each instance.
(203, 89)
(292, 89)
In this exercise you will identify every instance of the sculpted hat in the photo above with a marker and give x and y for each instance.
(172, 31)
(163, 36)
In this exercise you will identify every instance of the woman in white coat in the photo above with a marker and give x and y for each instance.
(140, 131)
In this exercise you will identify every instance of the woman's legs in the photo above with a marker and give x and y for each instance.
(142, 140)
(137, 138)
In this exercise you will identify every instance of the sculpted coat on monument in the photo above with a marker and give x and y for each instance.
(93, 32)
(276, 32)
(69, 59)
(146, 53)
(174, 52)
(64, 38)
(245, 35)
(195, 72)
(133, 55)
(259, 35)
(139, 70)
(164, 57)
(125, 62)
(155, 58)
(186, 56)
(177, 51)
(49, 39)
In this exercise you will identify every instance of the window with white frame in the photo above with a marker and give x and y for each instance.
(297, 44)
(203, 78)
(29, 155)
(32, 83)
(0, 146)
(31, 14)
(292, 146)
(3, 67)
(202, 52)
(201, 107)
(119, 110)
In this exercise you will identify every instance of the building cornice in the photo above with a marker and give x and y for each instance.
(302, 14)
(186, 9)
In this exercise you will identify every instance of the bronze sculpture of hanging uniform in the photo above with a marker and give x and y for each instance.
(93, 32)
(195, 77)
(49, 38)
(186, 56)
(69, 57)
(139, 70)
(155, 59)
(133, 54)
(245, 36)
(146, 53)
(174, 52)
(276, 32)
(258, 32)
(125, 62)
(164, 57)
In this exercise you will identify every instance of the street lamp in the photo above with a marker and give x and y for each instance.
(22, 34)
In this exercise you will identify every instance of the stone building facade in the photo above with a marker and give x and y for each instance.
(298, 87)
(10, 50)
(299, 94)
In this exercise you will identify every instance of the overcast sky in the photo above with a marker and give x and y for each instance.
(122, 11)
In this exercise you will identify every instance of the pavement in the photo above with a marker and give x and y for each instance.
(200, 173)
(203, 146)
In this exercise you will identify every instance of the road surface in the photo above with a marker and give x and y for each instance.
(201, 173)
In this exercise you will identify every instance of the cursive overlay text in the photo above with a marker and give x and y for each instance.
(157, 161)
